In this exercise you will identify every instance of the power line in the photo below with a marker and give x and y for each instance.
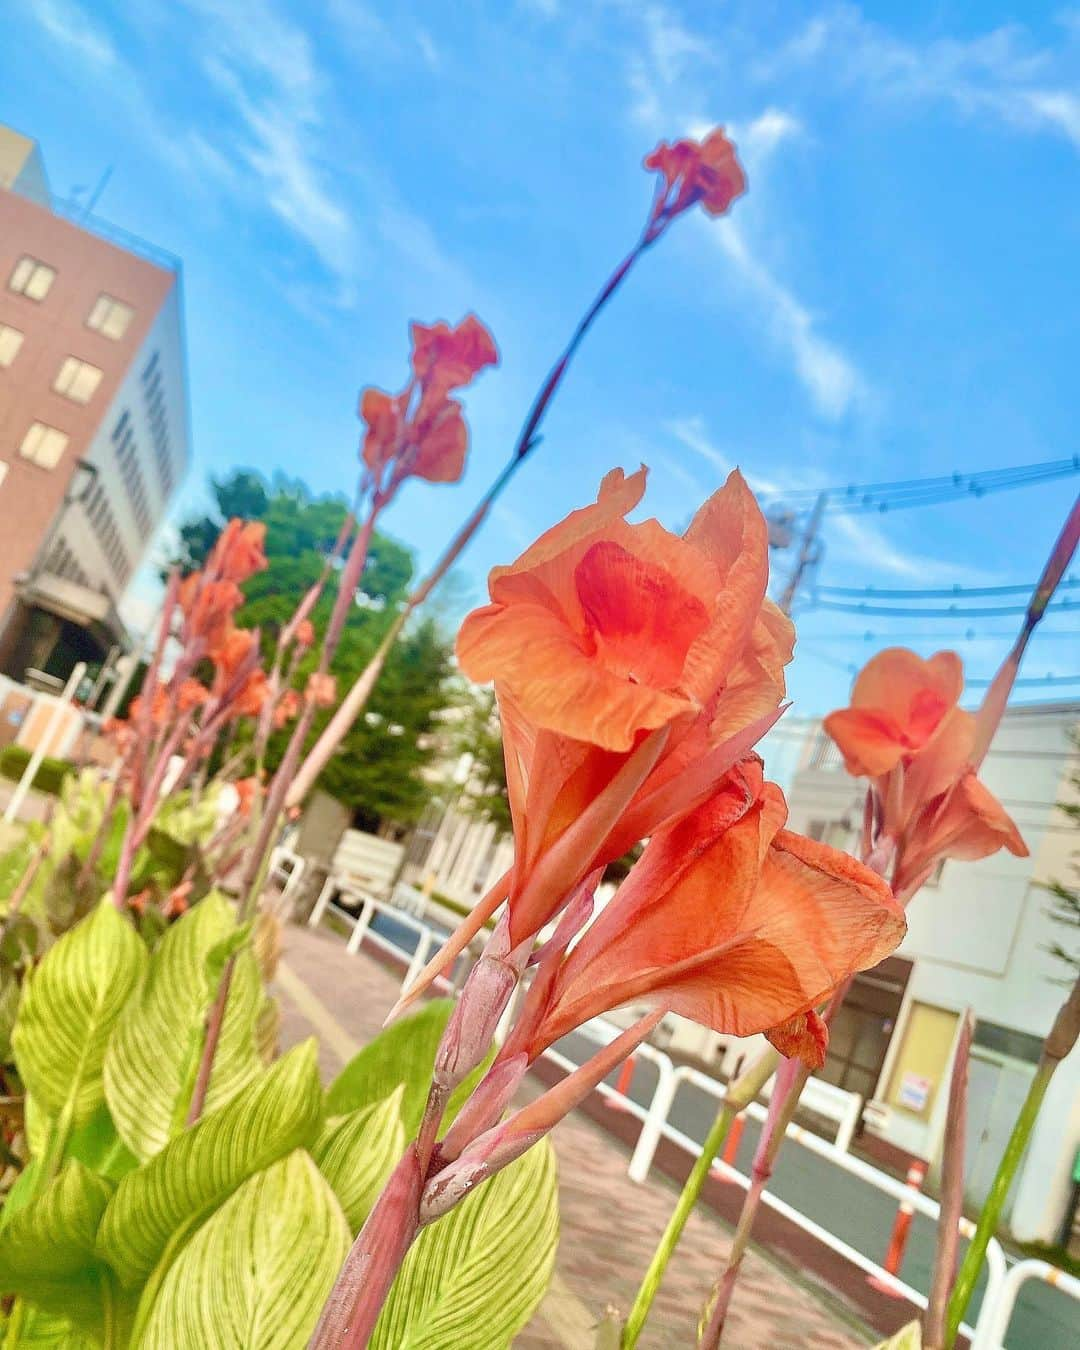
(940, 612)
(924, 635)
(945, 593)
(902, 494)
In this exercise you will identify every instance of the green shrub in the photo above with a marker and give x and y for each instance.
(49, 777)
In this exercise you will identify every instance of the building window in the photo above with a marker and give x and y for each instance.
(43, 445)
(77, 380)
(110, 317)
(32, 278)
(10, 342)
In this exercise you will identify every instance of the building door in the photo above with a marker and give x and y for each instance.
(997, 1086)
(860, 1032)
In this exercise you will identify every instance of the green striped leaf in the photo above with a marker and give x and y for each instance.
(69, 1007)
(356, 1154)
(45, 1331)
(402, 1054)
(160, 1205)
(474, 1278)
(153, 1056)
(257, 1273)
(47, 1249)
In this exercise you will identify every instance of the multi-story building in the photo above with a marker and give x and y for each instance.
(94, 427)
(980, 936)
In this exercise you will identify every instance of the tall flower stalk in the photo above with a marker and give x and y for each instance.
(708, 174)
(631, 699)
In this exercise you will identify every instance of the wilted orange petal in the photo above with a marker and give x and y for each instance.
(804, 1036)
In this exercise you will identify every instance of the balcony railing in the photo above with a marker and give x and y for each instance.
(77, 213)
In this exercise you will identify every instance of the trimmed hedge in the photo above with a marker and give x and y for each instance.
(49, 777)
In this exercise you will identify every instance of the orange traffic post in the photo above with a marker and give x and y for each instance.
(622, 1085)
(731, 1147)
(894, 1257)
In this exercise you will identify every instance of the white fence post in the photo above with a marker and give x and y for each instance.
(34, 763)
(667, 1084)
(361, 926)
(322, 904)
(419, 958)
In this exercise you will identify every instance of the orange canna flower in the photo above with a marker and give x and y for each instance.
(731, 921)
(305, 633)
(322, 690)
(191, 694)
(208, 607)
(905, 731)
(633, 668)
(246, 789)
(287, 707)
(697, 171)
(240, 551)
(421, 432)
(446, 358)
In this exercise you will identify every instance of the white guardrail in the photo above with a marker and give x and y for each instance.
(1002, 1284)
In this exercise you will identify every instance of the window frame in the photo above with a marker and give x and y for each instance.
(82, 368)
(10, 328)
(113, 302)
(31, 456)
(35, 265)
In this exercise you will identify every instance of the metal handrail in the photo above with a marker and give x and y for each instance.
(992, 1328)
(656, 1125)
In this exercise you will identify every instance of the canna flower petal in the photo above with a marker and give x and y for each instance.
(604, 633)
(969, 823)
(707, 172)
(897, 703)
(729, 920)
(240, 551)
(446, 357)
(804, 1036)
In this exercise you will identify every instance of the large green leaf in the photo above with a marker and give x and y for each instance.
(474, 1278)
(153, 1056)
(256, 1274)
(356, 1154)
(158, 1206)
(402, 1054)
(44, 1331)
(69, 1007)
(47, 1248)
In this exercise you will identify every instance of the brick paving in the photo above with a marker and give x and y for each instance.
(609, 1224)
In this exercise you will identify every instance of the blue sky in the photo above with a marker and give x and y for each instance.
(897, 295)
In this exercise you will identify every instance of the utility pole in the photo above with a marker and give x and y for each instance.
(809, 553)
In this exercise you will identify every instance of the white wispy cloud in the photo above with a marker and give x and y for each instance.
(1002, 72)
(827, 373)
(67, 23)
(692, 434)
(657, 76)
(857, 539)
(265, 67)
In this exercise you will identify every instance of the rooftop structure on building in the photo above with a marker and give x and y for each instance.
(94, 425)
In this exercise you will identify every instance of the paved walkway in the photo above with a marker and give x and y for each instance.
(609, 1224)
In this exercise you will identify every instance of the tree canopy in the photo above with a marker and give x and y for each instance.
(378, 770)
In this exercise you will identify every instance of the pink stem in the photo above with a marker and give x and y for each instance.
(952, 1190)
(352, 1310)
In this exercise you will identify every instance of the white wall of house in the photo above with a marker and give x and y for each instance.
(978, 938)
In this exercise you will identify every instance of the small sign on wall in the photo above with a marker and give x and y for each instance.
(914, 1091)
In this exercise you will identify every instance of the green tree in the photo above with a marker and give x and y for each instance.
(379, 769)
